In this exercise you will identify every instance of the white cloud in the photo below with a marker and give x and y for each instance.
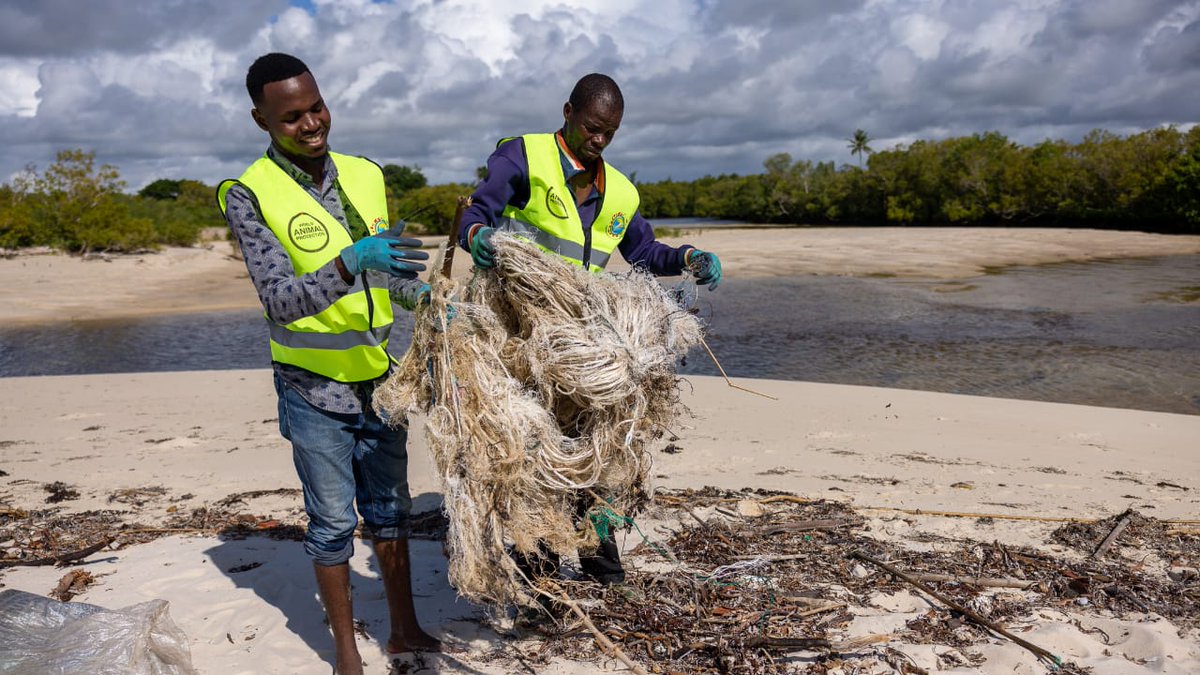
(18, 87)
(711, 86)
(922, 34)
(1006, 33)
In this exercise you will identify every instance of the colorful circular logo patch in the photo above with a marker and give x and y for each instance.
(616, 227)
(307, 233)
(555, 205)
(379, 225)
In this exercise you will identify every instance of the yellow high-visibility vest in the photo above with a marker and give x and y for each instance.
(550, 219)
(346, 341)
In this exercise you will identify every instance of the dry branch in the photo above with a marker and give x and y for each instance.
(990, 582)
(606, 644)
(1112, 536)
(59, 559)
(981, 620)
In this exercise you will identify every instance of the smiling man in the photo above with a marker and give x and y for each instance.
(557, 191)
(312, 226)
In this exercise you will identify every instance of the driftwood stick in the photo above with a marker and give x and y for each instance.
(819, 610)
(803, 526)
(786, 498)
(1112, 536)
(254, 494)
(813, 643)
(774, 558)
(452, 238)
(803, 601)
(692, 513)
(994, 516)
(675, 499)
(174, 530)
(726, 512)
(985, 622)
(991, 582)
(606, 644)
(788, 643)
(55, 560)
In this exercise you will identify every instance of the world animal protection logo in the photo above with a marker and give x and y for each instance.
(616, 227)
(307, 233)
(555, 205)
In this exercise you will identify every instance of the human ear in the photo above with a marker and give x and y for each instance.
(259, 119)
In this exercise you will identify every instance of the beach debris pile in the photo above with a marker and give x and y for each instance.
(41, 537)
(545, 388)
(50, 536)
(778, 592)
(758, 581)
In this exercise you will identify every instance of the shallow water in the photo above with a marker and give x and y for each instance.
(1116, 334)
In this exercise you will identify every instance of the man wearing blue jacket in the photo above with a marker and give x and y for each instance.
(555, 190)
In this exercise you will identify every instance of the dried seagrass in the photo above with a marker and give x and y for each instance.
(548, 381)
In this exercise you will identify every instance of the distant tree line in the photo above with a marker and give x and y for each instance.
(1145, 181)
(78, 206)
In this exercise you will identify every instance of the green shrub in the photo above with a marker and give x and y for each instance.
(429, 210)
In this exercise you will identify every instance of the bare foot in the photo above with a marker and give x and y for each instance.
(420, 642)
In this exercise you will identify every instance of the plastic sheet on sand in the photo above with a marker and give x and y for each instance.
(42, 635)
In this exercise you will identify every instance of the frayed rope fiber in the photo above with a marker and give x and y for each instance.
(549, 380)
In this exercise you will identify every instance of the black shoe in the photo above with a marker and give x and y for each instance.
(607, 579)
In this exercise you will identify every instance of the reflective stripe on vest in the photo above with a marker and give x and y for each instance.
(550, 219)
(346, 341)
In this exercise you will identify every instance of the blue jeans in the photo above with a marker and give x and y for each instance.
(342, 459)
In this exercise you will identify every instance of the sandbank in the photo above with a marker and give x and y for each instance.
(55, 287)
(202, 436)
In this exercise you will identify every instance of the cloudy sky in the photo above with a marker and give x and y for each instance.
(711, 86)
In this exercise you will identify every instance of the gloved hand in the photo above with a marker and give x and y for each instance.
(387, 252)
(483, 251)
(706, 267)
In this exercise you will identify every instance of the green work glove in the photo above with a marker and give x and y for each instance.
(706, 267)
(387, 252)
(483, 251)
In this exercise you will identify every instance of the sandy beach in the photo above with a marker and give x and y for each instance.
(922, 471)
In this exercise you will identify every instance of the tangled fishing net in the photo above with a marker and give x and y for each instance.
(546, 386)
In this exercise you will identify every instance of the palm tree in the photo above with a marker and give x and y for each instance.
(858, 144)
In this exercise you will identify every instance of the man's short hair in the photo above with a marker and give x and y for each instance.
(593, 87)
(269, 68)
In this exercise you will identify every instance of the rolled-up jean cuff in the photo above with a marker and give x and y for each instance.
(385, 533)
(330, 558)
